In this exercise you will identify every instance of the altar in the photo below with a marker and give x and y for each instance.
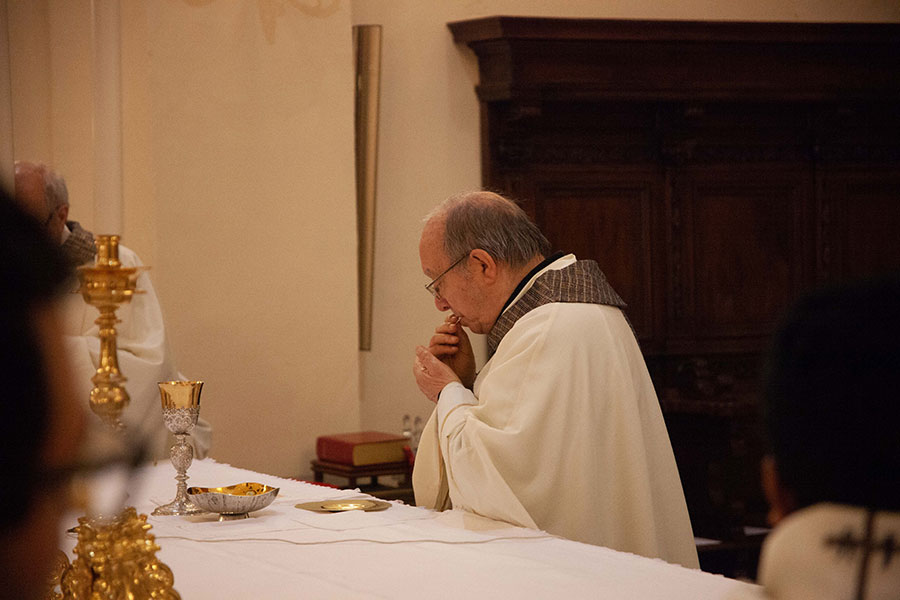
(402, 552)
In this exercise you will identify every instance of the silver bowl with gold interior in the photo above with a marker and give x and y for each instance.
(233, 501)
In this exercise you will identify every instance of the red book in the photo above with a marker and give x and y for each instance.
(361, 448)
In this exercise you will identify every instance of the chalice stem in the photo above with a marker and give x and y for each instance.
(182, 455)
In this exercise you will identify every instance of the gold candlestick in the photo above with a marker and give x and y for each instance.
(106, 285)
(116, 558)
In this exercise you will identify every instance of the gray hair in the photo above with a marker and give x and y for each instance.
(492, 223)
(55, 190)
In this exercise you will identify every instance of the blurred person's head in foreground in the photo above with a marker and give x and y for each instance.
(832, 412)
(40, 422)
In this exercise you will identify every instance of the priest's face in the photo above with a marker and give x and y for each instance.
(454, 286)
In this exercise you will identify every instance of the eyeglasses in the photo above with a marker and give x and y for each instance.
(430, 286)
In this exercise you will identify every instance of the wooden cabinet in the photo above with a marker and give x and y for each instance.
(716, 171)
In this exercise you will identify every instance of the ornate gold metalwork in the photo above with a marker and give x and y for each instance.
(106, 285)
(116, 560)
(60, 565)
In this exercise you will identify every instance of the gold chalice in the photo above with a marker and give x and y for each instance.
(181, 407)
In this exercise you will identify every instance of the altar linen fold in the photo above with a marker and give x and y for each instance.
(286, 553)
(562, 433)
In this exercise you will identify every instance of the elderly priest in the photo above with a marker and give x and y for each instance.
(561, 429)
(143, 347)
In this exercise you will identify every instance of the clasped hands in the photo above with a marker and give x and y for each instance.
(448, 358)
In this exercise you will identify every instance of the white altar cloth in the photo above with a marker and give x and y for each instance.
(402, 552)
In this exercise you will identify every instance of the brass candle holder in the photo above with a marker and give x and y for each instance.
(106, 285)
(115, 557)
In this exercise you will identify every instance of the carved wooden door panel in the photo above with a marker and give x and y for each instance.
(859, 222)
(611, 216)
(740, 242)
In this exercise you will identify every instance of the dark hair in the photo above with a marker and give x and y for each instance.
(32, 272)
(831, 403)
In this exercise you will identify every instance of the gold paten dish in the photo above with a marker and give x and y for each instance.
(331, 506)
(233, 501)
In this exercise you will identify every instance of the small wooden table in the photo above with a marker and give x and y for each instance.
(402, 492)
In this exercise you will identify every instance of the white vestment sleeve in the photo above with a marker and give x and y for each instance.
(566, 436)
(429, 475)
(453, 396)
(479, 476)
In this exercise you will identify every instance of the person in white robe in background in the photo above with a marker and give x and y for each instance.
(143, 350)
(561, 430)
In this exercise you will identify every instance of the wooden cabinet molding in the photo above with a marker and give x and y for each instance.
(523, 57)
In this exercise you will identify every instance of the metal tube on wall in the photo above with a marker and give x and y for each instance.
(367, 68)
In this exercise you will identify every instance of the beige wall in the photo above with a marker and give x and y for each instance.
(51, 83)
(251, 152)
(238, 190)
(430, 147)
(238, 183)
